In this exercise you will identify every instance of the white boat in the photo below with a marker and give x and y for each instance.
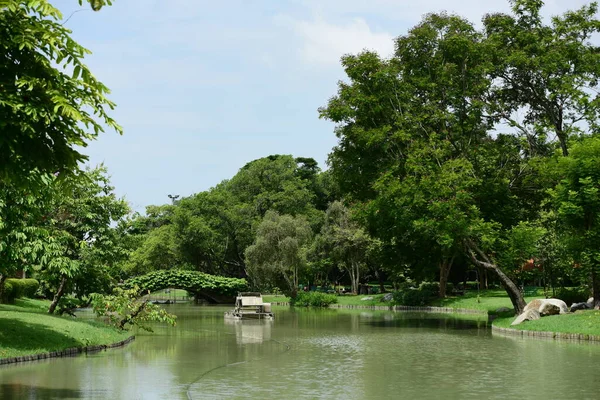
(250, 305)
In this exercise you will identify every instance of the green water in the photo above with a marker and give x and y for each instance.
(307, 354)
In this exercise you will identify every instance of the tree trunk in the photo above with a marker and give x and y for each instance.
(354, 277)
(380, 280)
(595, 289)
(445, 266)
(2, 279)
(515, 295)
(58, 295)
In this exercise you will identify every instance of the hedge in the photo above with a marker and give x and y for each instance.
(17, 288)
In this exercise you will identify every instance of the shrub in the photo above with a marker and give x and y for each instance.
(314, 299)
(17, 288)
(30, 287)
(411, 296)
(573, 295)
(8, 292)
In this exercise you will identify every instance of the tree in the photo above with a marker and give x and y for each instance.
(576, 201)
(279, 251)
(123, 308)
(21, 214)
(410, 131)
(346, 243)
(547, 72)
(46, 112)
(79, 224)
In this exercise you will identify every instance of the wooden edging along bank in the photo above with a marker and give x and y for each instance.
(66, 352)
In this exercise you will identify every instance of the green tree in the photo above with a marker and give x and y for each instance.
(345, 242)
(411, 129)
(547, 72)
(78, 225)
(50, 103)
(279, 251)
(576, 201)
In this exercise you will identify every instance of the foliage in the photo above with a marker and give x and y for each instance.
(79, 242)
(344, 242)
(576, 201)
(123, 308)
(279, 251)
(17, 288)
(313, 299)
(192, 281)
(46, 112)
(211, 230)
(408, 295)
(573, 295)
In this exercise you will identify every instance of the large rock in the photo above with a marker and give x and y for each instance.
(541, 304)
(387, 297)
(579, 306)
(590, 302)
(528, 315)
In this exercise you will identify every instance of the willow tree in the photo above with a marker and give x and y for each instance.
(279, 252)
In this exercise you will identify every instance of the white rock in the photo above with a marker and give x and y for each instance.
(528, 315)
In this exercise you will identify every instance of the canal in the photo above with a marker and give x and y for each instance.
(308, 354)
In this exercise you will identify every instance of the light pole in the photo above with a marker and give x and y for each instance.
(173, 197)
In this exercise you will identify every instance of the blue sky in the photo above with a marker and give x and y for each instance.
(203, 87)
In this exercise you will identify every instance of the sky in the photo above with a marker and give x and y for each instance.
(203, 87)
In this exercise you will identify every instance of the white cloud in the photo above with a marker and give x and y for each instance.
(323, 43)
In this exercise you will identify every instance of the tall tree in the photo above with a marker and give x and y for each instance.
(279, 251)
(547, 72)
(79, 223)
(345, 242)
(50, 103)
(576, 201)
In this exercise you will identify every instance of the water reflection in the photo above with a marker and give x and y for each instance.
(250, 331)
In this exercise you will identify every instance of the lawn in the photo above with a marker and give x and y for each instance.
(26, 329)
(486, 300)
(584, 322)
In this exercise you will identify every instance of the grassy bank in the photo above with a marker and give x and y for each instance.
(486, 300)
(584, 322)
(26, 329)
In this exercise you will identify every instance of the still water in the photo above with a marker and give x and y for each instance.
(308, 354)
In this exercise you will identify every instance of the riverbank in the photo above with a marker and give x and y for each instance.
(26, 330)
(582, 325)
(488, 301)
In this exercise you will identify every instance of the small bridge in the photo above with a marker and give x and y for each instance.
(212, 288)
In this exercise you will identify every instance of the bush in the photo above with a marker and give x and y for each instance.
(7, 293)
(573, 295)
(17, 288)
(408, 295)
(314, 299)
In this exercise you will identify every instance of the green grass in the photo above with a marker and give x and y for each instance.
(26, 329)
(584, 322)
(489, 300)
